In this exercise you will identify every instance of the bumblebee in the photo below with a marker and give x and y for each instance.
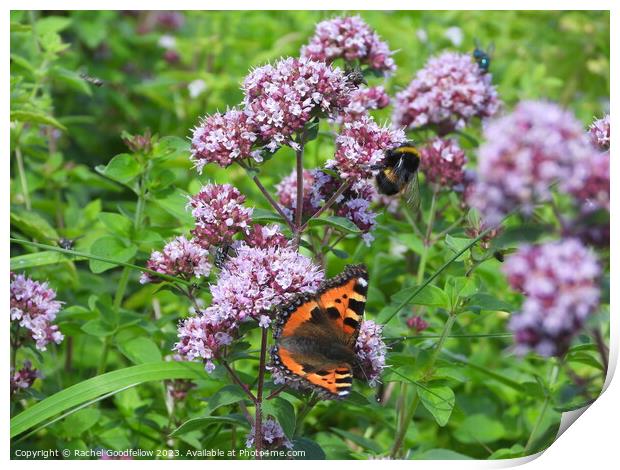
(482, 57)
(398, 174)
(354, 77)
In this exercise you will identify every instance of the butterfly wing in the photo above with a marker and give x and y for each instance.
(343, 299)
(315, 334)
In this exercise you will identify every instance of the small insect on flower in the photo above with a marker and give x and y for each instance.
(398, 174)
(222, 254)
(482, 57)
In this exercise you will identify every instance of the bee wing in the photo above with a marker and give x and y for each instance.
(411, 193)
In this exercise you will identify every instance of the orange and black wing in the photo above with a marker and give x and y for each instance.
(343, 299)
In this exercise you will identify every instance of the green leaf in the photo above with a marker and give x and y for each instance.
(456, 245)
(71, 79)
(141, 350)
(122, 168)
(262, 216)
(431, 296)
(111, 248)
(359, 440)
(481, 301)
(117, 223)
(36, 117)
(201, 423)
(34, 226)
(51, 24)
(79, 422)
(225, 396)
(340, 223)
(87, 390)
(40, 258)
(19, 28)
(438, 400)
(99, 327)
(311, 450)
(479, 428)
(283, 411)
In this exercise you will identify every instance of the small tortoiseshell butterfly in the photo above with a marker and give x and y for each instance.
(315, 334)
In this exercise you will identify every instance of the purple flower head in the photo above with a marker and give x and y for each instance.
(281, 99)
(559, 281)
(180, 257)
(351, 39)
(287, 194)
(527, 151)
(250, 283)
(591, 191)
(222, 139)
(358, 211)
(34, 307)
(257, 278)
(178, 389)
(361, 145)
(449, 91)
(24, 377)
(273, 436)
(443, 163)
(371, 351)
(363, 100)
(417, 323)
(219, 213)
(261, 236)
(599, 133)
(201, 338)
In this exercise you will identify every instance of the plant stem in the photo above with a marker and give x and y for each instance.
(79, 254)
(268, 196)
(304, 412)
(413, 223)
(22, 177)
(237, 380)
(400, 436)
(124, 279)
(299, 207)
(602, 349)
(330, 202)
(539, 420)
(258, 420)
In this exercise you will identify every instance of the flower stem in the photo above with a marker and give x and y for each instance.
(303, 412)
(22, 177)
(258, 419)
(602, 349)
(299, 207)
(268, 196)
(541, 415)
(330, 202)
(408, 416)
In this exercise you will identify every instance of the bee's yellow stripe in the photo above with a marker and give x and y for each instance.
(412, 150)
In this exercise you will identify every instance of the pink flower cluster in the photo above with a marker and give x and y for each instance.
(364, 99)
(351, 39)
(592, 190)
(281, 99)
(443, 163)
(273, 436)
(219, 213)
(33, 306)
(222, 139)
(24, 377)
(353, 204)
(599, 132)
(180, 257)
(361, 145)
(449, 91)
(559, 281)
(417, 323)
(537, 145)
(371, 351)
(264, 271)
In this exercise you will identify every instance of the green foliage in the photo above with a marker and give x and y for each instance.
(87, 89)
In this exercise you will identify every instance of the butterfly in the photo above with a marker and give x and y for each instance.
(315, 334)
